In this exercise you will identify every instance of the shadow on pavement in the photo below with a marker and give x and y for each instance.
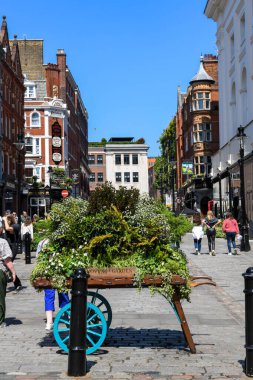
(130, 337)
(145, 338)
(13, 321)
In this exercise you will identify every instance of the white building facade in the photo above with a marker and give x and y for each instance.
(127, 165)
(234, 20)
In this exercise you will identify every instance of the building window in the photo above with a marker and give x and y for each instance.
(232, 46)
(202, 132)
(118, 177)
(202, 165)
(32, 145)
(135, 177)
(186, 143)
(30, 91)
(201, 101)
(91, 159)
(99, 159)
(126, 177)
(126, 159)
(135, 159)
(35, 119)
(242, 28)
(92, 177)
(117, 159)
(100, 177)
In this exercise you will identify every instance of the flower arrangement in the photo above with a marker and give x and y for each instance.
(143, 236)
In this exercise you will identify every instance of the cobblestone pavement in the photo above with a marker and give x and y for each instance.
(145, 341)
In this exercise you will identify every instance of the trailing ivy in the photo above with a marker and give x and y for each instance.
(143, 237)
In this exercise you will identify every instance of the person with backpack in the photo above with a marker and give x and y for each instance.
(211, 222)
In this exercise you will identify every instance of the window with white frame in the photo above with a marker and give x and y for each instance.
(99, 159)
(202, 132)
(135, 159)
(118, 177)
(126, 159)
(135, 177)
(201, 101)
(117, 159)
(100, 177)
(30, 91)
(32, 145)
(202, 165)
(91, 159)
(35, 119)
(92, 177)
(126, 177)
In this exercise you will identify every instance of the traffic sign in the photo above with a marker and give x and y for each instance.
(65, 193)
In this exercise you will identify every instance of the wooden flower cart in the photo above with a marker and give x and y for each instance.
(99, 313)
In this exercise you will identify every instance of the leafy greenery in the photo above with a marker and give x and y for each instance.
(163, 166)
(105, 196)
(114, 229)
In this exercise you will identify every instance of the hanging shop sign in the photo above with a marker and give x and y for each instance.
(56, 142)
(187, 167)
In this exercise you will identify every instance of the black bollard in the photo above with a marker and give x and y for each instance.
(27, 240)
(248, 278)
(77, 336)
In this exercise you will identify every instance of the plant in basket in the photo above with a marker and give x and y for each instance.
(140, 235)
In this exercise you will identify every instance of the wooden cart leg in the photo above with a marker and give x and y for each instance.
(184, 324)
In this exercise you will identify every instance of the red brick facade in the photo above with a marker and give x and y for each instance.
(11, 123)
(197, 131)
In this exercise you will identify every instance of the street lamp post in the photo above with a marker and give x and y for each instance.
(245, 246)
(20, 144)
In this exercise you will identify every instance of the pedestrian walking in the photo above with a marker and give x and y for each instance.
(6, 266)
(11, 234)
(197, 233)
(26, 228)
(211, 222)
(49, 295)
(231, 229)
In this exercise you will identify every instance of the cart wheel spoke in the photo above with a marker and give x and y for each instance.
(96, 332)
(101, 302)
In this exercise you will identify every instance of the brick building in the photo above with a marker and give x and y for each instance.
(97, 165)
(11, 124)
(197, 127)
(56, 126)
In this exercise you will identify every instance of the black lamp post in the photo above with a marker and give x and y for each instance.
(245, 246)
(20, 144)
(50, 172)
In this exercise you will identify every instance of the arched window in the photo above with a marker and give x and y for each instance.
(233, 106)
(244, 107)
(35, 119)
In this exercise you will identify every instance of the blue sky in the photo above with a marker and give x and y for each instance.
(127, 56)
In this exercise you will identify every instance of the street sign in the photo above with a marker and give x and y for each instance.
(65, 193)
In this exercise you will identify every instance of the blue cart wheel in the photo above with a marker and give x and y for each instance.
(101, 302)
(96, 328)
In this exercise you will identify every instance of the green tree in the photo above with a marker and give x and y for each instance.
(163, 166)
